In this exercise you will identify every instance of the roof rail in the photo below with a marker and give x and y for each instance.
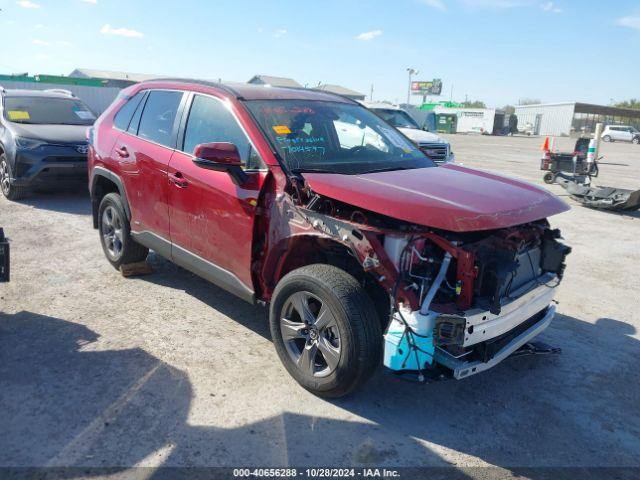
(62, 91)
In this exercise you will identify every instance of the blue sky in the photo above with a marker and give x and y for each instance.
(497, 51)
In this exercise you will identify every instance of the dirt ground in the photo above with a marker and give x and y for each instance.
(168, 370)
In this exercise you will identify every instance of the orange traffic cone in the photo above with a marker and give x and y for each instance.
(545, 145)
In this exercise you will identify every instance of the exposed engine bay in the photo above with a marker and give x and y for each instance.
(457, 301)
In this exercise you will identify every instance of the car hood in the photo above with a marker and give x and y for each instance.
(420, 136)
(450, 197)
(52, 133)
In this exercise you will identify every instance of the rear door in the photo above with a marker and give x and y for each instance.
(212, 218)
(143, 153)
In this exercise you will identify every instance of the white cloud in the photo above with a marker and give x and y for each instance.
(281, 32)
(28, 4)
(93, 2)
(631, 21)
(63, 43)
(121, 31)
(369, 35)
(437, 4)
(40, 43)
(551, 7)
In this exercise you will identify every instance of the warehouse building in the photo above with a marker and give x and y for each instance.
(340, 90)
(271, 81)
(93, 92)
(572, 118)
(110, 78)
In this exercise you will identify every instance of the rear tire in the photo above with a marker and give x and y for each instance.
(636, 140)
(115, 233)
(10, 191)
(549, 178)
(335, 344)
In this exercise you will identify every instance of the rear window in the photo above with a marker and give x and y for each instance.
(47, 110)
(123, 117)
(158, 117)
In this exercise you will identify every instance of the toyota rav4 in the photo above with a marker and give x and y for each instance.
(365, 253)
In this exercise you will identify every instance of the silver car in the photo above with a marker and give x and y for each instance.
(621, 133)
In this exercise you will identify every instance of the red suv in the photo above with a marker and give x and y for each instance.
(365, 251)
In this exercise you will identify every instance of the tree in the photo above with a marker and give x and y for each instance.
(474, 104)
(509, 109)
(529, 101)
(632, 103)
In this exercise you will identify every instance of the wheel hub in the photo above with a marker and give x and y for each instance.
(310, 333)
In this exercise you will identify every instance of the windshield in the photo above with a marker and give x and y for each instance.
(332, 137)
(397, 118)
(47, 110)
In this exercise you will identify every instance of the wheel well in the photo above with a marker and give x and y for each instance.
(307, 250)
(101, 186)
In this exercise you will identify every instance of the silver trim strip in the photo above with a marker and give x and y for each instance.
(462, 369)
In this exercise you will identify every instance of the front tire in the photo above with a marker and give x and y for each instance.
(9, 190)
(115, 233)
(636, 140)
(606, 138)
(325, 329)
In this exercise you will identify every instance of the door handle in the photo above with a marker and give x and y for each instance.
(122, 152)
(178, 180)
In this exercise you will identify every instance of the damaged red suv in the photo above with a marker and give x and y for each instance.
(365, 251)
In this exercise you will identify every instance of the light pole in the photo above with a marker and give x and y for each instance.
(411, 72)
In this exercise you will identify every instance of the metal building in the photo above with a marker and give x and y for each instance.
(98, 98)
(572, 118)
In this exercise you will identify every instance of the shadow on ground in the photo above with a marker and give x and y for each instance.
(64, 404)
(65, 199)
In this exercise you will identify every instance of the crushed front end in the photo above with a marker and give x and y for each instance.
(479, 297)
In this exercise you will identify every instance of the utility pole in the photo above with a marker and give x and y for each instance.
(371, 94)
(411, 72)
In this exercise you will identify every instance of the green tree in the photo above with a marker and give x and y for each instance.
(632, 103)
(509, 109)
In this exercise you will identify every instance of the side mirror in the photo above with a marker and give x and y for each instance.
(221, 157)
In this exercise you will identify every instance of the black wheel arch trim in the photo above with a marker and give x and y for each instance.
(109, 175)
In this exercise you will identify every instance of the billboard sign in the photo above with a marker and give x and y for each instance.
(433, 87)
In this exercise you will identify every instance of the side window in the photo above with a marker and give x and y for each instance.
(135, 121)
(158, 116)
(123, 117)
(210, 121)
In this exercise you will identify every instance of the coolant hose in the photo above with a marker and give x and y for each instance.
(435, 286)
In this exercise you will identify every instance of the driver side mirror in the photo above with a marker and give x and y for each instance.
(221, 157)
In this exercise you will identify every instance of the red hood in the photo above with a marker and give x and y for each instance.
(450, 197)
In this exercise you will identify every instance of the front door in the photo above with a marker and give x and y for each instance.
(211, 218)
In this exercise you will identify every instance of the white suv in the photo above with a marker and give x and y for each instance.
(436, 148)
(621, 133)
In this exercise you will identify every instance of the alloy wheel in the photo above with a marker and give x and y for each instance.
(112, 231)
(310, 334)
(4, 177)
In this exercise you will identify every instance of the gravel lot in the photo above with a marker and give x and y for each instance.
(99, 370)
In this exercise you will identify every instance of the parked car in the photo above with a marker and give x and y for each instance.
(43, 139)
(621, 133)
(431, 144)
(256, 190)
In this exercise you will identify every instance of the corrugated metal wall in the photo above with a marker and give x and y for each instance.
(97, 98)
(555, 119)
